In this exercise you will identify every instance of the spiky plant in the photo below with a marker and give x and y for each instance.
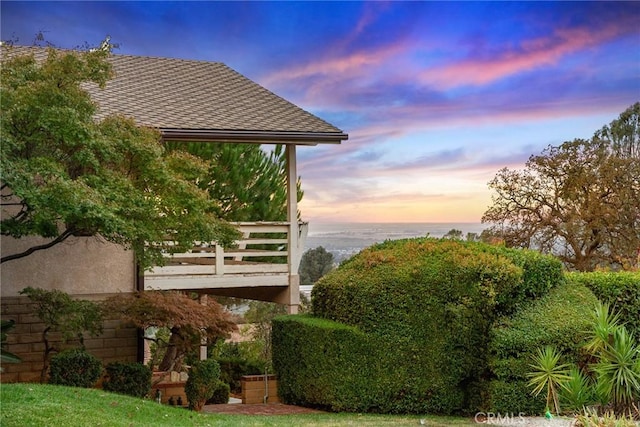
(605, 322)
(577, 392)
(618, 370)
(548, 374)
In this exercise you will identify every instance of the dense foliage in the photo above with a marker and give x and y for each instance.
(72, 318)
(314, 264)
(220, 394)
(202, 383)
(248, 183)
(188, 320)
(621, 290)
(419, 315)
(560, 319)
(75, 368)
(232, 369)
(133, 379)
(326, 364)
(578, 200)
(65, 174)
(606, 379)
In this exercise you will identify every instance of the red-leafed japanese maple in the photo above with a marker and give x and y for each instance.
(189, 320)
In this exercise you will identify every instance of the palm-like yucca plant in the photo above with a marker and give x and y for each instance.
(605, 323)
(548, 374)
(618, 370)
(576, 393)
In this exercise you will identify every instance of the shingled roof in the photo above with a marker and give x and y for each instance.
(198, 100)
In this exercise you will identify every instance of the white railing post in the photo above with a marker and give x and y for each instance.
(293, 235)
(219, 260)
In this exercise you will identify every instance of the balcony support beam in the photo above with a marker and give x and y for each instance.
(294, 233)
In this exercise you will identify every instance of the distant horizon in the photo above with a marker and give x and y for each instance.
(390, 222)
(436, 97)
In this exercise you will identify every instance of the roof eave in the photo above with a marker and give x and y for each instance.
(253, 137)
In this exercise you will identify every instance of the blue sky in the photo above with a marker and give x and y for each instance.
(436, 96)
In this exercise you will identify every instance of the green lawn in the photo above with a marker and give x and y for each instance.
(47, 405)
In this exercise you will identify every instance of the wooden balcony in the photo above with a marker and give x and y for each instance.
(266, 256)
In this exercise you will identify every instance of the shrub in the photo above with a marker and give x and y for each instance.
(621, 290)
(61, 313)
(203, 379)
(220, 394)
(560, 319)
(133, 379)
(414, 319)
(321, 363)
(577, 392)
(75, 368)
(232, 369)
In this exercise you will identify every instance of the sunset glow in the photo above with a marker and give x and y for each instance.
(436, 96)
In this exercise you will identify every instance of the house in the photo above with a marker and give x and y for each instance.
(186, 101)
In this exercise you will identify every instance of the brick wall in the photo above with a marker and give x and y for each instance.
(254, 389)
(117, 343)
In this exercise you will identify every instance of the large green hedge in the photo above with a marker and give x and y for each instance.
(324, 364)
(561, 319)
(419, 314)
(621, 290)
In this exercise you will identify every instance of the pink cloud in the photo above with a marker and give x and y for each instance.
(530, 55)
(339, 67)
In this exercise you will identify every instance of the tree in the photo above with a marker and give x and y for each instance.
(61, 313)
(259, 315)
(314, 264)
(453, 234)
(578, 201)
(189, 321)
(65, 174)
(248, 183)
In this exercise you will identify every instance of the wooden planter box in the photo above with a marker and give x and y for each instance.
(254, 389)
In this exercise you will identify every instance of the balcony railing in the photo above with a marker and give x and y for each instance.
(261, 258)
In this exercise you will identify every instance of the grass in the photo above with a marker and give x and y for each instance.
(38, 405)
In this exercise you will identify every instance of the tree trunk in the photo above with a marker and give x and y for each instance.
(170, 361)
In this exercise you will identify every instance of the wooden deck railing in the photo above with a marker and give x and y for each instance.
(261, 258)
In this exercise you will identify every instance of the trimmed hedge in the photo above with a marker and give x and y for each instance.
(133, 379)
(621, 290)
(325, 364)
(562, 319)
(75, 368)
(419, 313)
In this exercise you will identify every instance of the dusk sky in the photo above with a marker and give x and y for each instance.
(436, 97)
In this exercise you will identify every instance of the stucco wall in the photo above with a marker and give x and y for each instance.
(79, 266)
(84, 267)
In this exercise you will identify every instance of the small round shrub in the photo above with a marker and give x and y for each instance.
(202, 382)
(220, 394)
(133, 379)
(75, 368)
